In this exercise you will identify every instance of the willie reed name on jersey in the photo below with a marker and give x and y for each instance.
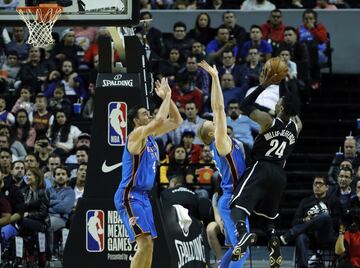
(284, 133)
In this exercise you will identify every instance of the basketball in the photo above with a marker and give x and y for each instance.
(276, 66)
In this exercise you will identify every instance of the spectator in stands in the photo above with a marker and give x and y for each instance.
(22, 129)
(221, 43)
(31, 160)
(17, 148)
(192, 122)
(36, 217)
(178, 162)
(17, 174)
(230, 91)
(178, 40)
(73, 83)
(59, 101)
(198, 50)
(252, 68)
(11, 68)
(6, 117)
(67, 49)
(344, 189)
(285, 55)
(273, 29)
(300, 55)
(88, 111)
(153, 35)
(324, 4)
(82, 140)
(54, 161)
(78, 182)
(24, 101)
(172, 65)
(41, 118)
(347, 243)
(349, 154)
(19, 44)
(14, 196)
(196, 77)
(204, 172)
(178, 194)
(62, 199)
(62, 134)
(82, 157)
(315, 36)
(182, 93)
(34, 72)
(84, 36)
(229, 65)
(5, 208)
(242, 125)
(264, 48)
(236, 31)
(193, 151)
(216, 5)
(93, 49)
(202, 31)
(315, 221)
(257, 5)
(43, 150)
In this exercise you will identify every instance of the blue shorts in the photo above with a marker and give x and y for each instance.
(136, 213)
(229, 223)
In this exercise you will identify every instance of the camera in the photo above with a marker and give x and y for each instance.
(43, 144)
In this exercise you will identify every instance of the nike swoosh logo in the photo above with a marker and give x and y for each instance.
(106, 169)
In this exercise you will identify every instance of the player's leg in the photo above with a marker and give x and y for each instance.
(212, 231)
(144, 253)
(246, 196)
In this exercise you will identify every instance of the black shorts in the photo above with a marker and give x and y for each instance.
(260, 189)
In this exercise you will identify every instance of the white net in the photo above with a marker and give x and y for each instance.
(40, 25)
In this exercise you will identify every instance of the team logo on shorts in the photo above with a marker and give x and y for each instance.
(95, 230)
(117, 123)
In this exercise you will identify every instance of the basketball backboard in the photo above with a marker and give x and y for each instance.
(78, 12)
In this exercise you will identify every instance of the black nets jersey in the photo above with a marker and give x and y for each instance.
(276, 143)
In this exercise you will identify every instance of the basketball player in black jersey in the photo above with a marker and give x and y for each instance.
(261, 187)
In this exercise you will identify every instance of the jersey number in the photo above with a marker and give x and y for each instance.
(277, 148)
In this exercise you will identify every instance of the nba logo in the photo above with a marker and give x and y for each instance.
(95, 230)
(117, 124)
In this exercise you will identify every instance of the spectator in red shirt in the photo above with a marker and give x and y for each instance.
(193, 151)
(182, 93)
(273, 29)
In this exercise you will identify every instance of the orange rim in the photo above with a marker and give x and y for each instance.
(44, 9)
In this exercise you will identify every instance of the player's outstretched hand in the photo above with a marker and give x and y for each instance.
(162, 88)
(211, 70)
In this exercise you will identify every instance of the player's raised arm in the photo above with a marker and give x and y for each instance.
(175, 119)
(247, 105)
(222, 140)
(137, 137)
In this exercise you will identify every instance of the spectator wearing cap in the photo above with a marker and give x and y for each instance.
(82, 140)
(193, 151)
(67, 49)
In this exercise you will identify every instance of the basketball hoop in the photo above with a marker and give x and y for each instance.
(40, 21)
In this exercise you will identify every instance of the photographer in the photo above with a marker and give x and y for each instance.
(348, 242)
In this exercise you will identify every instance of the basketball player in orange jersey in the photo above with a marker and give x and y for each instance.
(140, 159)
(261, 187)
